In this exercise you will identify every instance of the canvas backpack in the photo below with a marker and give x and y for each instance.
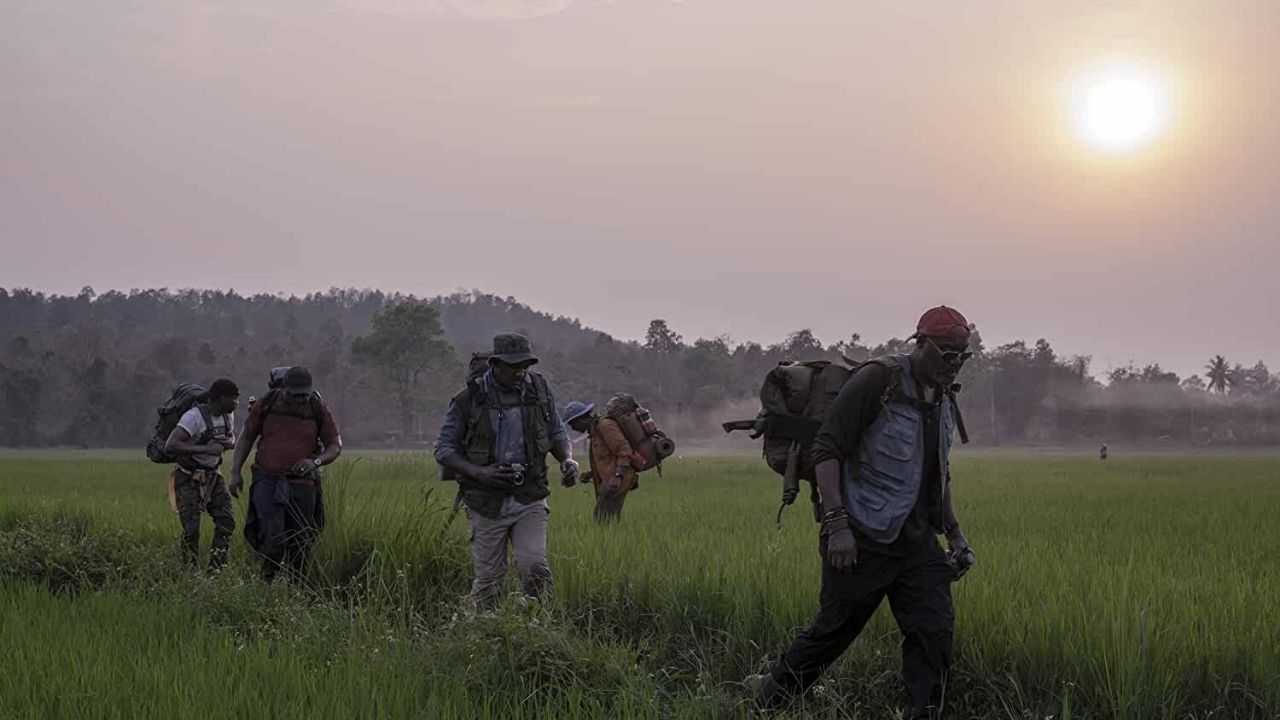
(795, 399)
(476, 368)
(640, 430)
(184, 397)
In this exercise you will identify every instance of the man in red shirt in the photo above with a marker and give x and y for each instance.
(296, 435)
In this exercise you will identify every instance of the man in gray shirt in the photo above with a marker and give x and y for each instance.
(203, 433)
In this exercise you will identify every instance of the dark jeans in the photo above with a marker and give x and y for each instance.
(195, 494)
(286, 523)
(918, 586)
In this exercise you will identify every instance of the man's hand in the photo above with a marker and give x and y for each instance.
(227, 443)
(960, 552)
(303, 468)
(213, 448)
(842, 551)
(497, 476)
(587, 477)
(569, 472)
(235, 483)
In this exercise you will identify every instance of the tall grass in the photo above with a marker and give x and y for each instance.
(1141, 588)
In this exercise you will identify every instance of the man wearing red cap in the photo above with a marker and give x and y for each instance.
(882, 466)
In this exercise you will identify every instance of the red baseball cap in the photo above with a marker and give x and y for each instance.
(942, 322)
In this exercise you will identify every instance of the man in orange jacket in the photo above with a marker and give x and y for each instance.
(612, 459)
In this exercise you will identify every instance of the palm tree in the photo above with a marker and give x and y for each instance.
(1219, 373)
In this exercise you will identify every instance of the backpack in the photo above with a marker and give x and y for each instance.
(795, 399)
(478, 365)
(267, 406)
(640, 430)
(183, 398)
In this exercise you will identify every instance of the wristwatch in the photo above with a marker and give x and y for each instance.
(316, 462)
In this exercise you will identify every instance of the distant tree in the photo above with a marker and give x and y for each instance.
(1080, 365)
(802, 344)
(1154, 374)
(1219, 373)
(1194, 383)
(1043, 356)
(405, 346)
(662, 339)
(1255, 381)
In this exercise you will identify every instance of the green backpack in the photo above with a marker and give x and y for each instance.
(795, 399)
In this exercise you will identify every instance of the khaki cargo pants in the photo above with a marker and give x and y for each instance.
(524, 527)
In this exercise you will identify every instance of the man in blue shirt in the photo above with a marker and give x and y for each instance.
(495, 439)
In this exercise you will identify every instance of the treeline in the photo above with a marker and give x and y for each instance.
(88, 370)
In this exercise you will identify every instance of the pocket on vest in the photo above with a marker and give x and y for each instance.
(872, 500)
(898, 441)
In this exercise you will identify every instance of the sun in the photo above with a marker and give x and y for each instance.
(1121, 111)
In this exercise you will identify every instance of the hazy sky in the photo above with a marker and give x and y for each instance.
(740, 167)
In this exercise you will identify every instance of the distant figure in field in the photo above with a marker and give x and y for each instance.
(203, 433)
(612, 459)
(296, 434)
(495, 439)
(882, 466)
(1102, 452)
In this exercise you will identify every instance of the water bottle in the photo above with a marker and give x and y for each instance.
(646, 421)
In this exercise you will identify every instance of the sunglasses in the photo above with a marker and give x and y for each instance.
(953, 357)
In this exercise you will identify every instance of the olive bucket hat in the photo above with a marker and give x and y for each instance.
(513, 349)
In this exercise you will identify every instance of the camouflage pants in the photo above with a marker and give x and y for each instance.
(196, 493)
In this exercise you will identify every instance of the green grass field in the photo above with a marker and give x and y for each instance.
(1145, 587)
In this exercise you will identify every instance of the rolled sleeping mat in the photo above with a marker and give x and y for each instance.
(664, 447)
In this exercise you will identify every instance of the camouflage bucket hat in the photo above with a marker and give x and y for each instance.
(513, 349)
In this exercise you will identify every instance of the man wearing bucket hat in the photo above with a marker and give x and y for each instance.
(612, 470)
(495, 438)
(882, 466)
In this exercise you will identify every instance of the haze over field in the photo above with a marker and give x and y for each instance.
(737, 166)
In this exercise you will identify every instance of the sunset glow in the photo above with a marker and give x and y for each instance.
(1120, 111)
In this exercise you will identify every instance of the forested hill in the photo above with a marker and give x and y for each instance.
(88, 370)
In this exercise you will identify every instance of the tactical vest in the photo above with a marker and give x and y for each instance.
(477, 443)
(890, 460)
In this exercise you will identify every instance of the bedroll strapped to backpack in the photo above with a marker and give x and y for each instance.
(183, 398)
(640, 430)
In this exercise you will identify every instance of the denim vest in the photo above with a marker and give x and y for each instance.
(890, 459)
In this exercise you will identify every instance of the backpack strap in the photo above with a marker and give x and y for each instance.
(317, 410)
(542, 396)
(268, 403)
(471, 401)
(265, 405)
(207, 435)
(964, 434)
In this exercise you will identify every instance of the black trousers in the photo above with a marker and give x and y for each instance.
(288, 529)
(918, 586)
